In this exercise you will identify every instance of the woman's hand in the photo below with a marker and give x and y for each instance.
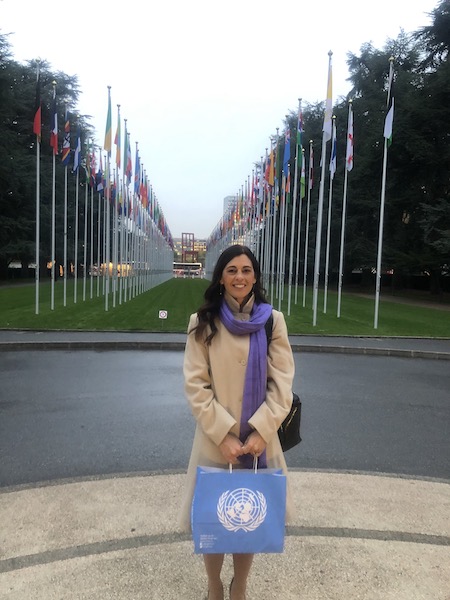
(254, 444)
(231, 448)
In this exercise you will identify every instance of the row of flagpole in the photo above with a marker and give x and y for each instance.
(141, 245)
(259, 213)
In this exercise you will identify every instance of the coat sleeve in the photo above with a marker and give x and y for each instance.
(280, 375)
(212, 417)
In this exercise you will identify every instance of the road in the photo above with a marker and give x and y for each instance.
(86, 413)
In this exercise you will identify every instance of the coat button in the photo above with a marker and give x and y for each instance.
(243, 362)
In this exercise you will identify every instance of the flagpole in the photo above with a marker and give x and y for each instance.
(380, 237)
(107, 223)
(274, 220)
(76, 170)
(114, 241)
(255, 230)
(91, 280)
(127, 220)
(107, 147)
(65, 161)
(121, 239)
(382, 202)
(105, 211)
(294, 209)
(273, 202)
(65, 237)
(348, 166)
(99, 230)
(325, 137)
(85, 235)
(75, 274)
(251, 214)
(300, 211)
(38, 200)
(285, 194)
(280, 239)
(257, 233)
(52, 299)
(99, 221)
(263, 219)
(37, 131)
(127, 248)
(341, 253)
(53, 226)
(116, 210)
(330, 198)
(132, 241)
(318, 234)
(134, 233)
(308, 208)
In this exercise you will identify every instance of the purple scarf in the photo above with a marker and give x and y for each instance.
(256, 374)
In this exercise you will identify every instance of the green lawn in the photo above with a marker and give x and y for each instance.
(181, 297)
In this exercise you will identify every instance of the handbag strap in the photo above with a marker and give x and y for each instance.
(255, 465)
(268, 326)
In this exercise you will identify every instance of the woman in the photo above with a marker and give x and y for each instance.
(238, 389)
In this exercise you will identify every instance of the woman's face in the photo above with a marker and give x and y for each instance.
(238, 277)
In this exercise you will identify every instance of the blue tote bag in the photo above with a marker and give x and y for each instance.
(238, 512)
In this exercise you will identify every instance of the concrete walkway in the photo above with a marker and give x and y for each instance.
(355, 535)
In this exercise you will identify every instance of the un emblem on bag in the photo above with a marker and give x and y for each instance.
(241, 509)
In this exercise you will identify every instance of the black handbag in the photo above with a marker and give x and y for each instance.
(289, 431)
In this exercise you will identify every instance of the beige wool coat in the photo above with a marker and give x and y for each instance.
(214, 378)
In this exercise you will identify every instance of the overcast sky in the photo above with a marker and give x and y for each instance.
(203, 85)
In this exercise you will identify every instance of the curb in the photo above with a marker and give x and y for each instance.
(179, 346)
(372, 351)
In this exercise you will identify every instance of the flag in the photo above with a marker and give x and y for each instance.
(278, 161)
(99, 177)
(54, 124)
(107, 144)
(93, 168)
(113, 192)
(87, 166)
(349, 152)
(329, 103)
(65, 156)
(287, 151)
(106, 177)
(127, 155)
(141, 187)
(129, 166)
(271, 174)
(144, 193)
(388, 123)
(311, 167)
(37, 108)
(333, 150)
(137, 173)
(299, 126)
(77, 155)
(302, 175)
(117, 139)
(266, 171)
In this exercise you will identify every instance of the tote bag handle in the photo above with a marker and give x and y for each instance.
(254, 468)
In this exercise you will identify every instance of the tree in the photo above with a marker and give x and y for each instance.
(417, 172)
(435, 38)
(18, 152)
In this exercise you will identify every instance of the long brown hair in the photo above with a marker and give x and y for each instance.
(209, 311)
